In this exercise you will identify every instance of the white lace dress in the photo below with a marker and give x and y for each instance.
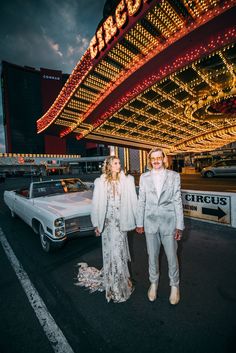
(114, 277)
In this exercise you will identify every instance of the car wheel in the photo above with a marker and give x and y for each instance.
(45, 242)
(209, 174)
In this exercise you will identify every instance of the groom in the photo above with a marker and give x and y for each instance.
(160, 216)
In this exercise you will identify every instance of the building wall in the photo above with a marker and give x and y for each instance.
(129, 159)
(21, 108)
(134, 160)
(55, 145)
(51, 85)
(27, 94)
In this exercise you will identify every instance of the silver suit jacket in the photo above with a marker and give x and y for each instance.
(164, 214)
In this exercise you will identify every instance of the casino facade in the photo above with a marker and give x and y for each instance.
(156, 73)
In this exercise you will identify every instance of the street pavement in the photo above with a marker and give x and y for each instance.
(203, 322)
(188, 181)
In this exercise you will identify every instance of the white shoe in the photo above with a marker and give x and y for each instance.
(152, 292)
(174, 295)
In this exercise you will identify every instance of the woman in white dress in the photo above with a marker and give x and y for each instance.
(113, 214)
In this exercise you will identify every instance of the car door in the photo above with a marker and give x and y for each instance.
(18, 205)
(23, 207)
(231, 168)
(219, 168)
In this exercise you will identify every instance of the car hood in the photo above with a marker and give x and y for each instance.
(66, 205)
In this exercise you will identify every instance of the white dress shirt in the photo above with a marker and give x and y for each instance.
(158, 179)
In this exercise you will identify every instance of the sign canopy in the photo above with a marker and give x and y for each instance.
(155, 73)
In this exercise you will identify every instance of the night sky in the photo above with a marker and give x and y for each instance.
(52, 34)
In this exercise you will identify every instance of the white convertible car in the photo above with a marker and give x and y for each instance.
(55, 209)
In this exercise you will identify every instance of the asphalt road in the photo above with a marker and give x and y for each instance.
(203, 322)
(188, 181)
(196, 182)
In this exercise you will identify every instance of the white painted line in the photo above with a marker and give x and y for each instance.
(54, 334)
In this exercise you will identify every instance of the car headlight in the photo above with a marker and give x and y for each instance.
(59, 222)
(60, 232)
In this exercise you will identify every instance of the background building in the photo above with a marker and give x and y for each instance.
(28, 93)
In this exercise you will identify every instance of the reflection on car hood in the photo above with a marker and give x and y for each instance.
(66, 205)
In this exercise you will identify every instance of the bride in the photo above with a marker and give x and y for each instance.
(113, 214)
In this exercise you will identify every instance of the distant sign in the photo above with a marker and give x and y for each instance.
(21, 160)
(29, 161)
(210, 207)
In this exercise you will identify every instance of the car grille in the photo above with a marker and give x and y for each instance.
(78, 224)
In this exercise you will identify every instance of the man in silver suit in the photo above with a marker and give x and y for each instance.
(160, 216)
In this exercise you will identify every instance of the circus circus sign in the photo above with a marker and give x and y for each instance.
(125, 10)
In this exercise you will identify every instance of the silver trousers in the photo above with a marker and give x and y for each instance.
(169, 243)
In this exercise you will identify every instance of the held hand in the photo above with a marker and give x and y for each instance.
(140, 230)
(97, 233)
(178, 234)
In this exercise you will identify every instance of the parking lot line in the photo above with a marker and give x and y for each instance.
(54, 334)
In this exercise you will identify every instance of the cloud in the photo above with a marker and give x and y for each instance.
(53, 34)
(83, 43)
(54, 46)
(48, 33)
(2, 148)
(70, 51)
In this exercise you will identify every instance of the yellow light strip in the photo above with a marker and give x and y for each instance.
(162, 22)
(173, 15)
(136, 43)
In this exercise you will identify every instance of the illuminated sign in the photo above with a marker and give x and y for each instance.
(29, 161)
(209, 206)
(51, 77)
(21, 160)
(110, 27)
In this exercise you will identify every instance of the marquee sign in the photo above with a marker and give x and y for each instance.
(125, 10)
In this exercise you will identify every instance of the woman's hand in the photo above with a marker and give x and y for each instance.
(140, 230)
(178, 234)
(97, 233)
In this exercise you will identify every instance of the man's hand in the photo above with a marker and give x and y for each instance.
(97, 233)
(140, 230)
(178, 234)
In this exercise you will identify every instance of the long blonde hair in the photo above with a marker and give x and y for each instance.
(156, 149)
(106, 168)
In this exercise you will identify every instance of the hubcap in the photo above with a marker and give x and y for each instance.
(43, 238)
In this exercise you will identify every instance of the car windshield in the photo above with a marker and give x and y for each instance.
(219, 164)
(53, 187)
(226, 162)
